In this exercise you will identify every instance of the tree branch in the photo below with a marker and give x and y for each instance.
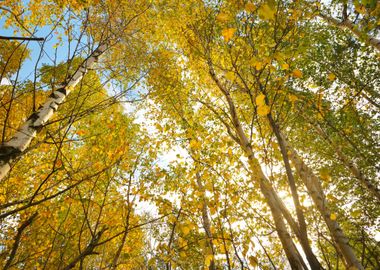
(22, 38)
(17, 239)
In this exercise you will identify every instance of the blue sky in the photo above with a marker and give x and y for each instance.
(48, 55)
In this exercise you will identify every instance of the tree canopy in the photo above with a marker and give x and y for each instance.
(226, 134)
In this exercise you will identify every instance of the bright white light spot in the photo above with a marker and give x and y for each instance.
(5, 81)
(377, 236)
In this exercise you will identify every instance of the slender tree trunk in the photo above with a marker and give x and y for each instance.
(206, 220)
(303, 237)
(364, 181)
(257, 175)
(17, 145)
(121, 246)
(294, 258)
(313, 185)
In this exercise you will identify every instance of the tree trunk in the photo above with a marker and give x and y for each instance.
(301, 228)
(257, 175)
(313, 185)
(294, 258)
(364, 181)
(17, 145)
(206, 220)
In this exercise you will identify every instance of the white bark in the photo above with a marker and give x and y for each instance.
(17, 145)
(313, 185)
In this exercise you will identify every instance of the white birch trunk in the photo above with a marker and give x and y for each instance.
(17, 145)
(313, 185)
(257, 175)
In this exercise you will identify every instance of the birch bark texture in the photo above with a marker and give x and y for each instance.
(18, 144)
(313, 185)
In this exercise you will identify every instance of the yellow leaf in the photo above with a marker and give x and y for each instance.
(209, 186)
(253, 261)
(185, 230)
(182, 254)
(59, 163)
(81, 132)
(285, 66)
(230, 75)
(266, 12)
(292, 98)
(297, 73)
(182, 242)
(333, 216)
(195, 144)
(355, 214)
(98, 165)
(312, 86)
(331, 77)
(324, 174)
(249, 7)
(228, 33)
(263, 110)
(208, 259)
(361, 9)
(223, 17)
(260, 100)
(256, 64)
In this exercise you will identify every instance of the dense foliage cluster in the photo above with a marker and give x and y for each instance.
(168, 134)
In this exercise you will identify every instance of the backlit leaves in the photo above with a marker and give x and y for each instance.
(228, 33)
(331, 76)
(175, 150)
(250, 7)
(223, 17)
(297, 73)
(266, 12)
(262, 108)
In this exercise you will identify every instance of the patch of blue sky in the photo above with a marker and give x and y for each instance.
(56, 47)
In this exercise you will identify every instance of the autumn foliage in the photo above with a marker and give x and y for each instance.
(189, 134)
